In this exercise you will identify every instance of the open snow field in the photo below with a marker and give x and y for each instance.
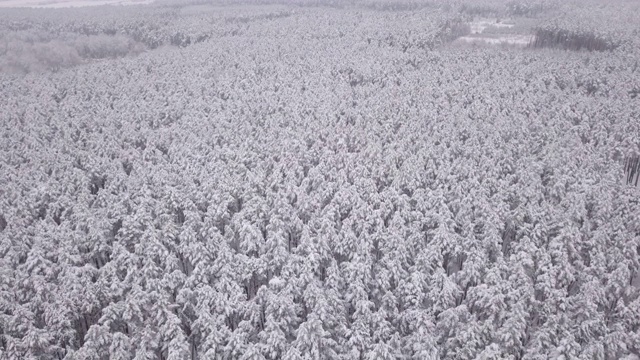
(483, 32)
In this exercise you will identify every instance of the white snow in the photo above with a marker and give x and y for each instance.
(480, 25)
(518, 40)
(479, 36)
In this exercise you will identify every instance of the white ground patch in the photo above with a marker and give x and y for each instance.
(480, 25)
(517, 40)
(479, 36)
(67, 3)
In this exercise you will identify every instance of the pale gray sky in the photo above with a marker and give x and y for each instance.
(66, 3)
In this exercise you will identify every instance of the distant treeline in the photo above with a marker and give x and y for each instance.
(38, 40)
(573, 40)
(28, 51)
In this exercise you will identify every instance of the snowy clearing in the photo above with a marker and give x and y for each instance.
(517, 40)
(488, 32)
(480, 25)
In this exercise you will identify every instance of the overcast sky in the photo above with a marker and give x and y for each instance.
(65, 3)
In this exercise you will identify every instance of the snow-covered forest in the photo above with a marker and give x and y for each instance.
(321, 179)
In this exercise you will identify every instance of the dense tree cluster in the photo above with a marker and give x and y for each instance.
(330, 184)
(604, 27)
(36, 40)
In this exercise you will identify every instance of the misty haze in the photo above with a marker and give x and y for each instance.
(319, 179)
